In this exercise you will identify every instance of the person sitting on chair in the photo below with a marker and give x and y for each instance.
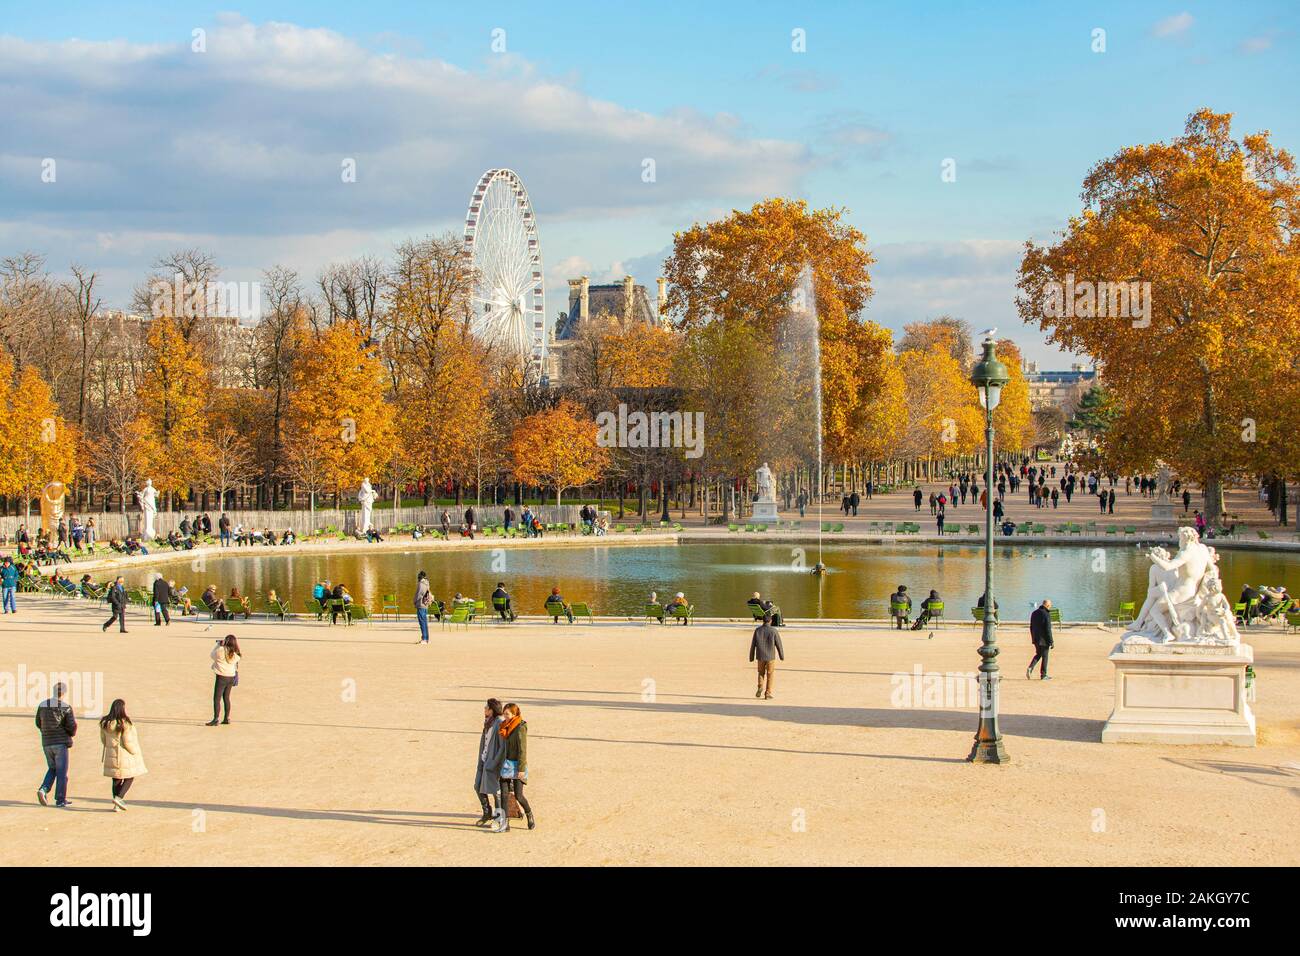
(927, 610)
(904, 614)
(654, 608)
(766, 607)
(678, 601)
(554, 600)
(501, 602)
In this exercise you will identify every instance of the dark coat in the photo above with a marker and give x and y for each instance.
(162, 592)
(491, 753)
(1040, 627)
(117, 597)
(766, 644)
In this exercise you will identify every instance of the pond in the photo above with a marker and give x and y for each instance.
(1087, 583)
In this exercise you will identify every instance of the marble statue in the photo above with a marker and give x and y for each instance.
(148, 498)
(366, 496)
(766, 487)
(1185, 603)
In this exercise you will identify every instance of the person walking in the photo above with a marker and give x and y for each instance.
(1040, 632)
(162, 599)
(491, 754)
(1110, 501)
(225, 665)
(916, 498)
(58, 725)
(223, 525)
(9, 584)
(423, 598)
(514, 768)
(123, 758)
(764, 648)
(117, 604)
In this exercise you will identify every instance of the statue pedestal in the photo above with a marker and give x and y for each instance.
(764, 512)
(1181, 694)
(1163, 511)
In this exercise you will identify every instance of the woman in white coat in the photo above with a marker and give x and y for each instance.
(123, 758)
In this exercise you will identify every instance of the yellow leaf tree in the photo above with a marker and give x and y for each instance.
(557, 448)
(340, 427)
(40, 446)
(172, 423)
(1181, 276)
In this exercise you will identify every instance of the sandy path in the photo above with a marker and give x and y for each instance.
(688, 770)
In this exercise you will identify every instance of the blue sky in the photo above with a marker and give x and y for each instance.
(237, 150)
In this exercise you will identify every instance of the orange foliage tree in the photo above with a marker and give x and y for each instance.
(557, 448)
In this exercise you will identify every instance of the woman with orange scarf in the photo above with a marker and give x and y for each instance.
(514, 768)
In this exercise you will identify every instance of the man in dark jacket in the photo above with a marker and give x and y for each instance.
(854, 500)
(162, 598)
(58, 725)
(765, 648)
(117, 602)
(1040, 632)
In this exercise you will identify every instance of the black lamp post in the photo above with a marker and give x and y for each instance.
(988, 377)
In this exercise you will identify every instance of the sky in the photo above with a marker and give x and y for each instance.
(237, 147)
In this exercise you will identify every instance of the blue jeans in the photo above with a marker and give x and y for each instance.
(225, 539)
(56, 759)
(9, 605)
(422, 615)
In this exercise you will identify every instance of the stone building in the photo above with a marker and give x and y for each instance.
(1060, 389)
(625, 302)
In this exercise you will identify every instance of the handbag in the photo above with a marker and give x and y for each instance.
(509, 769)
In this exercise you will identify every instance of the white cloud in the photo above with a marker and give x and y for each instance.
(1175, 26)
(248, 138)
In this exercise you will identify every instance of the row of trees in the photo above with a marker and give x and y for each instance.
(373, 373)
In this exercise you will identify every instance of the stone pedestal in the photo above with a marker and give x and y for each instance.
(1181, 694)
(1163, 512)
(764, 512)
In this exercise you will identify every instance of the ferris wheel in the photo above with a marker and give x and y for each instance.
(502, 245)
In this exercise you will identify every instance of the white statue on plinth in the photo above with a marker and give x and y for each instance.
(148, 498)
(366, 496)
(766, 487)
(1185, 603)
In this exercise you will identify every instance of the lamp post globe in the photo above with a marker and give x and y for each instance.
(989, 376)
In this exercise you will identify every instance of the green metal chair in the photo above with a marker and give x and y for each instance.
(897, 610)
(1126, 611)
(358, 612)
(390, 604)
(677, 612)
(311, 604)
(277, 609)
(582, 610)
(556, 609)
(654, 612)
(461, 614)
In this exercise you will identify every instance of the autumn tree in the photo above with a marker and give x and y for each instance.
(1013, 419)
(339, 420)
(1181, 275)
(944, 418)
(952, 333)
(40, 447)
(557, 448)
(172, 424)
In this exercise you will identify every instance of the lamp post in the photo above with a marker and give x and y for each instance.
(988, 377)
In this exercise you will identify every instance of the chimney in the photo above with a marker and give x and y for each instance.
(584, 300)
(629, 297)
(662, 302)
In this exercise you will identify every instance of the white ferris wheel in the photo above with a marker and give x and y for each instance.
(503, 247)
